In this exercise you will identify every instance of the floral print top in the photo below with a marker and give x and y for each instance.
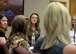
(17, 41)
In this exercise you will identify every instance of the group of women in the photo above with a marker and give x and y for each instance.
(21, 32)
(57, 40)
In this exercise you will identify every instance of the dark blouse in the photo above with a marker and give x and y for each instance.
(3, 47)
(2, 33)
(30, 33)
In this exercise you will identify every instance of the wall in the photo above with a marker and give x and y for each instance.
(31, 6)
(38, 6)
(67, 2)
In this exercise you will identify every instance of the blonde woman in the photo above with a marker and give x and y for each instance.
(57, 23)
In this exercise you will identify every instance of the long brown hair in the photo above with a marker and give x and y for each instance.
(20, 25)
(37, 24)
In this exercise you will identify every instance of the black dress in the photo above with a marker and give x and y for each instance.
(2, 34)
(3, 47)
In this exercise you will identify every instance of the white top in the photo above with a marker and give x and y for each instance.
(73, 36)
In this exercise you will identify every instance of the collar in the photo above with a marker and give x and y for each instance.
(2, 29)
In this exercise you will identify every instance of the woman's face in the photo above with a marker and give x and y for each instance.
(4, 22)
(34, 19)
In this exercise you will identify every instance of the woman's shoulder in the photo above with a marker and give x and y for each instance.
(69, 49)
(2, 40)
(2, 37)
(18, 41)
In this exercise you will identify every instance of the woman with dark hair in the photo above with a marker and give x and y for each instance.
(3, 28)
(34, 27)
(18, 41)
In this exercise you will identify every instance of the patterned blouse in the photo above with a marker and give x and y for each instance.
(17, 41)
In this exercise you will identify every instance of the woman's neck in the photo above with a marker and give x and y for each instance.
(2, 29)
(33, 28)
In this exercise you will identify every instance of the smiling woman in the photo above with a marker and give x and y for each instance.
(3, 27)
(34, 27)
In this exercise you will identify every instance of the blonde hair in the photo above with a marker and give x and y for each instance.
(57, 23)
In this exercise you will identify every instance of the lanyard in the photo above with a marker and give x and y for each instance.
(74, 36)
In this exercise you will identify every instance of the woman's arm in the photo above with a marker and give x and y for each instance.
(3, 45)
(2, 40)
(69, 49)
(21, 50)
